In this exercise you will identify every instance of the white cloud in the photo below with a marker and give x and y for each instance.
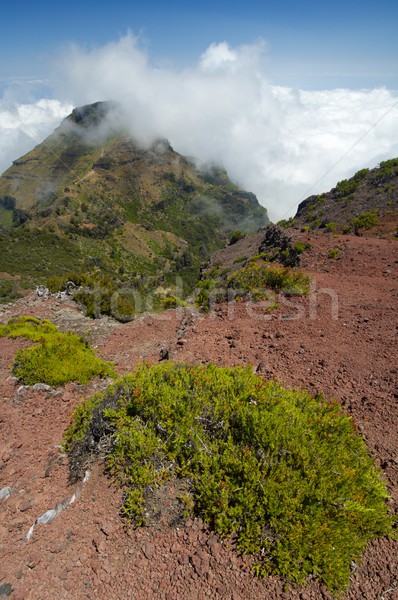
(22, 126)
(280, 143)
(217, 56)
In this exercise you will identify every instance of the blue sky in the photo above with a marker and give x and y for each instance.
(289, 96)
(312, 45)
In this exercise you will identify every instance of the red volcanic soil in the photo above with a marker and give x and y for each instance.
(341, 340)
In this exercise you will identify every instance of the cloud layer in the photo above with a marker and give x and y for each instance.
(23, 126)
(280, 143)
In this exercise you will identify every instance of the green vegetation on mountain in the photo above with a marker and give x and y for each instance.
(266, 268)
(355, 204)
(57, 358)
(90, 199)
(258, 280)
(283, 474)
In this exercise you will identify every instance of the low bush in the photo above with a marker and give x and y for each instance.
(331, 226)
(386, 170)
(252, 282)
(345, 187)
(8, 291)
(365, 221)
(300, 247)
(58, 357)
(239, 259)
(286, 223)
(284, 475)
(255, 278)
(236, 236)
(209, 291)
(171, 301)
(359, 175)
(98, 294)
(334, 252)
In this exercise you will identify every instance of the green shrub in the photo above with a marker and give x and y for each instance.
(57, 283)
(8, 291)
(208, 291)
(386, 170)
(331, 226)
(359, 175)
(315, 223)
(239, 259)
(284, 474)
(58, 357)
(286, 223)
(122, 306)
(255, 278)
(334, 253)
(236, 236)
(253, 281)
(97, 294)
(171, 301)
(346, 187)
(300, 247)
(365, 221)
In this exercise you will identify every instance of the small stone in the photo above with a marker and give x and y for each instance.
(176, 547)
(108, 528)
(148, 551)
(200, 562)
(5, 590)
(41, 387)
(68, 586)
(214, 546)
(5, 492)
(33, 561)
(25, 506)
(164, 354)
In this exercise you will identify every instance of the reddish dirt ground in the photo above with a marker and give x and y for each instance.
(341, 340)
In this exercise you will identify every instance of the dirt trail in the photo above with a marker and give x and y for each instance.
(340, 340)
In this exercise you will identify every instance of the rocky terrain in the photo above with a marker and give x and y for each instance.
(339, 340)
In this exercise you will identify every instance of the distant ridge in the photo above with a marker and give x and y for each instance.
(369, 191)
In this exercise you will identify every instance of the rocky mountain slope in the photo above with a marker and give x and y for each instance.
(91, 197)
(309, 341)
(365, 201)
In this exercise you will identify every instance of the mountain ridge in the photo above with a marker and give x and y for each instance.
(361, 202)
(125, 209)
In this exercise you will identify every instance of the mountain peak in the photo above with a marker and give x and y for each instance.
(92, 115)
